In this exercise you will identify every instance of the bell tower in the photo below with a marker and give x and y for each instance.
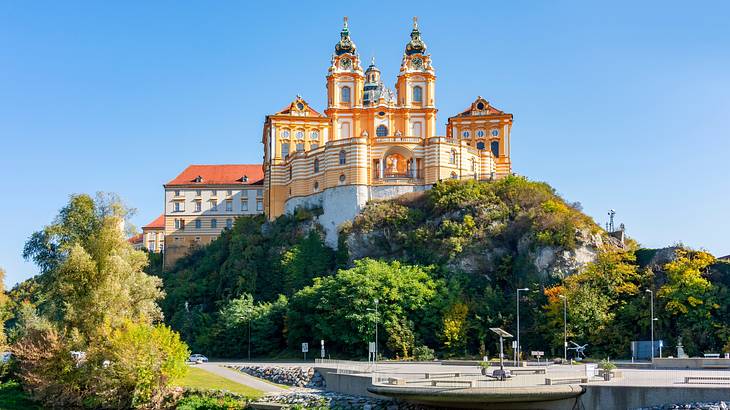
(416, 85)
(345, 81)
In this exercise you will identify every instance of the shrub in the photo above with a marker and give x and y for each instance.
(136, 364)
(423, 353)
(207, 402)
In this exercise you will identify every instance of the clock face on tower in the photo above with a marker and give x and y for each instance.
(345, 63)
(417, 63)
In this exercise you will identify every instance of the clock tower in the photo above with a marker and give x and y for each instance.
(416, 86)
(345, 83)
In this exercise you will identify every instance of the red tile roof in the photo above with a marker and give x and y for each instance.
(158, 223)
(219, 175)
(135, 239)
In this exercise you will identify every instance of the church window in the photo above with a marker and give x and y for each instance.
(418, 94)
(465, 134)
(316, 165)
(343, 157)
(285, 134)
(300, 146)
(300, 134)
(480, 106)
(214, 223)
(452, 157)
(285, 150)
(345, 94)
(495, 132)
(314, 135)
(495, 148)
(480, 133)
(342, 178)
(381, 131)
(480, 145)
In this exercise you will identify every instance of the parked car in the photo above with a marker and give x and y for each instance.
(197, 358)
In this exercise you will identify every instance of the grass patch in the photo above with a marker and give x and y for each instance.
(12, 396)
(198, 378)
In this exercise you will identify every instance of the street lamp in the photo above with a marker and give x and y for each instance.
(651, 295)
(519, 348)
(565, 327)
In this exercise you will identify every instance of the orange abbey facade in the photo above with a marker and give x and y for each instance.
(375, 143)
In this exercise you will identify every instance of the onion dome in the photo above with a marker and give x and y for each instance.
(416, 45)
(345, 45)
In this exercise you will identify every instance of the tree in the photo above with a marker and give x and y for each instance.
(455, 327)
(339, 308)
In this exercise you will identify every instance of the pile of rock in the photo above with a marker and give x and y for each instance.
(322, 399)
(720, 405)
(290, 376)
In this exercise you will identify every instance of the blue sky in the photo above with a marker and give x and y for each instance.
(622, 105)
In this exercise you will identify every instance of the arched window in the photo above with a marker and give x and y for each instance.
(381, 131)
(495, 148)
(480, 145)
(316, 165)
(343, 157)
(285, 134)
(345, 94)
(452, 157)
(213, 223)
(417, 94)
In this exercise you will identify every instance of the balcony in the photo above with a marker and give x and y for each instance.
(413, 177)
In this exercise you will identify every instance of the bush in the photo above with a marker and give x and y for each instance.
(208, 402)
(423, 353)
(137, 364)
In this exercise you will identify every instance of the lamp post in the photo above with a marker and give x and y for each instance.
(519, 348)
(651, 295)
(565, 327)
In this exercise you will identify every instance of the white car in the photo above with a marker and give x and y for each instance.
(197, 358)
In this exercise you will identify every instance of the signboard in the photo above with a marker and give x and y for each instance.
(305, 347)
(371, 347)
(514, 344)
(591, 370)
(537, 353)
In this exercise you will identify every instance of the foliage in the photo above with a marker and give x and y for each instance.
(340, 309)
(142, 362)
(454, 327)
(206, 402)
(255, 257)
(607, 365)
(12, 396)
(423, 353)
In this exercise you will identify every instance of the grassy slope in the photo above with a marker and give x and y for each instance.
(200, 379)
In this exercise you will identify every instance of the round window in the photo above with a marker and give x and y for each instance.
(465, 134)
(285, 134)
(314, 135)
(495, 132)
(480, 106)
(480, 133)
(300, 106)
(342, 178)
(381, 113)
(300, 134)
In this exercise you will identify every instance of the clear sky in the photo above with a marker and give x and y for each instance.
(622, 105)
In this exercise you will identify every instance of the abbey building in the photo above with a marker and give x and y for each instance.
(372, 142)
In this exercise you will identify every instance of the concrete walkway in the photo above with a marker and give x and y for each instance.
(241, 378)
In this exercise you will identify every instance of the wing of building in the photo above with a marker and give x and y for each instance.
(202, 201)
(375, 143)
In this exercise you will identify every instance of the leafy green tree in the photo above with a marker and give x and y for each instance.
(338, 309)
(308, 259)
(455, 327)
